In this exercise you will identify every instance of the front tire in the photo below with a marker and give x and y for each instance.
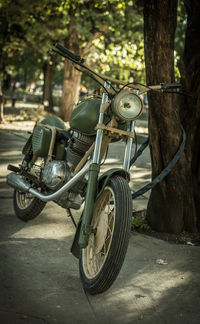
(101, 261)
(26, 206)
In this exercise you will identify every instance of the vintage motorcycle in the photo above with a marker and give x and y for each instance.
(63, 165)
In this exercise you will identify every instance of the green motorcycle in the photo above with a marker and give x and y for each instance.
(63, 165)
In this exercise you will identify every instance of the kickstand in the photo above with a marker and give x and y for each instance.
(71, 216)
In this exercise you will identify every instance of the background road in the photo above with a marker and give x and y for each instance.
(39, 278)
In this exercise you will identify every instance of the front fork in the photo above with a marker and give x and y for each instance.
(94, 173)
(92, 181)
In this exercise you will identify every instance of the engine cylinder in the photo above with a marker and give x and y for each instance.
(78, 146)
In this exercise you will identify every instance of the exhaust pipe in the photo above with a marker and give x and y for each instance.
(16, 181)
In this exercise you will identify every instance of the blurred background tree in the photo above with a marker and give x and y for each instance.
(93, 27)
(106, 32)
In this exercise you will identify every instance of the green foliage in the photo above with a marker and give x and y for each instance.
(179, 39)
(119, 50)
(180, 30)
(112, 28)
(139, 220)
(109, 34)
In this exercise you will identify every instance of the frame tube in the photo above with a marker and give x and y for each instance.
(128, 149)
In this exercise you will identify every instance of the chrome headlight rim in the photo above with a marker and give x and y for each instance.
(116, 102)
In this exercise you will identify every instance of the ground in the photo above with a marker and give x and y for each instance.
(39, 277)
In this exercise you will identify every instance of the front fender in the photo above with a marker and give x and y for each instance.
(104, 178)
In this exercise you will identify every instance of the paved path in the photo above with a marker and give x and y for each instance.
(39, 278)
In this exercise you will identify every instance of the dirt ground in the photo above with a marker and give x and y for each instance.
(39, 277)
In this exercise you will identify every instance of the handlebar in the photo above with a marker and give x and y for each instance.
(63, 51)
(167, 86)
(162, 87)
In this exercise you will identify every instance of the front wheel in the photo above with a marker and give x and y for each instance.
(26, 206)
(101, 261)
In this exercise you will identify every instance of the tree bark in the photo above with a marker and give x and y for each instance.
(48, 68)
(1, 109)
(71, 78)
(171, 205)
(70, 90)
(190, 106)
(1, 105)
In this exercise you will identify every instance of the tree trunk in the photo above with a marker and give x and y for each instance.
(190, 107)
(71, 78)
(1, 105)
(48, 69)
(171, 204)
(1, 109)
(70, 91)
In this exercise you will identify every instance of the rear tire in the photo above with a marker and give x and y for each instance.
(101, 261)
(26, 206)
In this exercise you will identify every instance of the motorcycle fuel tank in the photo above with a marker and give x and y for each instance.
(85, 116)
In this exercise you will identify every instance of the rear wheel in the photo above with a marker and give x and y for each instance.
(101, 261)
(27, 206)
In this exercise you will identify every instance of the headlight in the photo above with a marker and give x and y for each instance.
(128, 105)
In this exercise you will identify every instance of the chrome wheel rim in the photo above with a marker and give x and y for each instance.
(95, 254)
(24, 199)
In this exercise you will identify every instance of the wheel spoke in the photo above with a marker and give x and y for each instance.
(96, 252)
(24, 199)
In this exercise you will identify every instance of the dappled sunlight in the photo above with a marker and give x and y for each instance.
(141, 130)
(11, 153)
(48, 225)
(3, 166)
(162, 279)
(43, 231)
(138, 169)
(144, 289)
(9, 242)
(52, 223)
(154, 281)
(139, 182)
(22, 125)
(140, 174)
(112, 160)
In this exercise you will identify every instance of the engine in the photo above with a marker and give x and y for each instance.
(70, 146)
(56, 173)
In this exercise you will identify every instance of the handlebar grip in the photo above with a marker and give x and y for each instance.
(166, 86)
(67, 52)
